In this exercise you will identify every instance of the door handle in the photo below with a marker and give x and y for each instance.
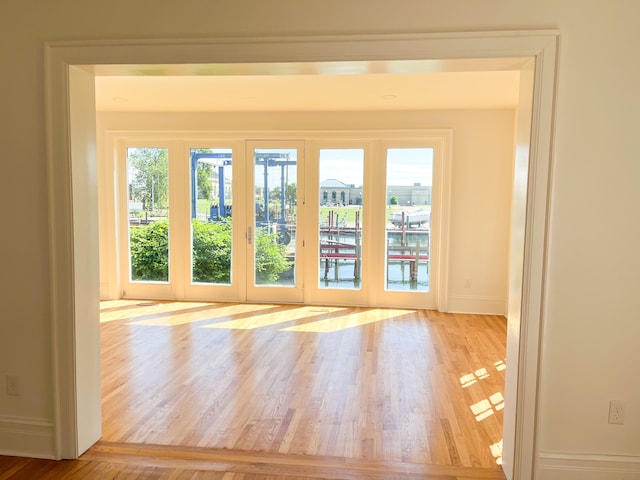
(249, 239)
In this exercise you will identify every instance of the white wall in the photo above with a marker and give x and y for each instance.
(481, 184)
(591, 328)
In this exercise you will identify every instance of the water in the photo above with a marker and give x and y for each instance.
(398, 277)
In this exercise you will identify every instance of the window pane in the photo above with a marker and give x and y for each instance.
(148, 187)
(275, 190)
(408, 220)
(211, 212)
(340, 232)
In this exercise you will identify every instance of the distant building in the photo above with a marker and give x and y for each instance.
(415, 194)
(335, 192)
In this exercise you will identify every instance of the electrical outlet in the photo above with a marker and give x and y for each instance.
(617, 410)
(13, 385)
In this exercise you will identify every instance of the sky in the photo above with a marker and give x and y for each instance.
(405, 166)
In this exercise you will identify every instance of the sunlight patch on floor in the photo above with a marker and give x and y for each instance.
(500, 365)
(348, 321)
(496, 452)
(487, 407)
(212, 314)
(150, 309)
(258, 321)
(109, 304)
(471, 378)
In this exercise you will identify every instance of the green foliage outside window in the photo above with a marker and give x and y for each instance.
(204, 173)
(149, 177)
(211, 253)
(149, 246)
(270, 257)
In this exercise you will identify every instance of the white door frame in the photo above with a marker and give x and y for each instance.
(68, 296)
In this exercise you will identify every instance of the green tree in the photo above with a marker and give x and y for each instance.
(275, 193)
(393, 200)
(203, 174)
(291, 194)
(149, 177)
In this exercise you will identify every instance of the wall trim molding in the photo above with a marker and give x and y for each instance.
(27, 437)
(482, 304)
(587, 466)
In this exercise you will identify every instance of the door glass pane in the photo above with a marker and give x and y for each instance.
(148, 197)
(275, 190)
(211, 212)
(340, 217)
(408, 218)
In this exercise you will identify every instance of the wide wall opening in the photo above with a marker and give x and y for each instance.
(73, 440)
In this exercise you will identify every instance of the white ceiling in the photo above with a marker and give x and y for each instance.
(303, 87)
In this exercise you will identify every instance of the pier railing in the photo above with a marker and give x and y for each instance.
(336, 247)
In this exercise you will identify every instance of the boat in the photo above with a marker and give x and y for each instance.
(412, 217)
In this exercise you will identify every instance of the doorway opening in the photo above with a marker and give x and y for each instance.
(65, 196)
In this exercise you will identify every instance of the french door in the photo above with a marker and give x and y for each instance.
(275, 221)
(348, 221)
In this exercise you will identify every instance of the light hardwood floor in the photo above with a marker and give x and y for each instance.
(194, 390)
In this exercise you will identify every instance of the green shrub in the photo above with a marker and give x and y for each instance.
(150, 252)
(211, 253)
(270, 257)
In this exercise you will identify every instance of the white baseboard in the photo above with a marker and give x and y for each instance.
(477, 304)
(27, 437)
(576, 466)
